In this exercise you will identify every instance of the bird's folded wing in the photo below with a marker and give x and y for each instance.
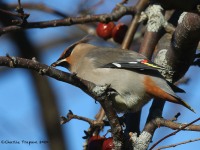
(140, 64)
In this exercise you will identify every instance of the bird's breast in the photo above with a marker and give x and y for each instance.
(129, 86)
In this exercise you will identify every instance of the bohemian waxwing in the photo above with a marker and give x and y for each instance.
(134, 78)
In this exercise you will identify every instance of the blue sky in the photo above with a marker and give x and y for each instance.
(20, 113)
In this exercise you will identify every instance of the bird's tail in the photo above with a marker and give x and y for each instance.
(182, 102)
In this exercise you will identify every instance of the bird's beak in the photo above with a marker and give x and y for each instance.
(58, 63)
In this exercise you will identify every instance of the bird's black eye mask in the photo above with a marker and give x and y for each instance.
(62, 59)
(67, 52)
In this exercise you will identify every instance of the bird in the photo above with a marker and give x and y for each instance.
(134, 78)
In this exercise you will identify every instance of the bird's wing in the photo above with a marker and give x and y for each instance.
(140, 64)
(121, 59)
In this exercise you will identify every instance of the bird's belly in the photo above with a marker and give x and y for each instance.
(130, 103)
(130, 96)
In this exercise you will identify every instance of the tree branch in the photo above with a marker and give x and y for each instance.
(42, 69)
(177, 144)
(71, 116)
(118, 12)
(97, 92)
(173, 133)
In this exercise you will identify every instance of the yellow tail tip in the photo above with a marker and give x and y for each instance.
(187, 106)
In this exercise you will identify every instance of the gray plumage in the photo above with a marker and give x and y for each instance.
(135, 83)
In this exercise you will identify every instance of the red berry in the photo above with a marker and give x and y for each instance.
(95, 143)
(119, 31)
(105, 30)
(108, 144)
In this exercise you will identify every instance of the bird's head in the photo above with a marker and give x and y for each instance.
(66, 58)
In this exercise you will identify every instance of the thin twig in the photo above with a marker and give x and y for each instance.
(10, 13)
(177, 144)
(40, 7)
(173, 133)
(71, 116)
(141, 5)
(114, 16)
(44, 8)
(161, 122)
(175, 118)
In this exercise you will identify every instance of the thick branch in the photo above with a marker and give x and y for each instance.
(118, 138)
(156, 22)
(179, 55)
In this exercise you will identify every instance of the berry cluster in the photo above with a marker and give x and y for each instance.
(108, 30)
(100, 143)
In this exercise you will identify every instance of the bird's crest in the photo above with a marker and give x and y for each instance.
(67, 52)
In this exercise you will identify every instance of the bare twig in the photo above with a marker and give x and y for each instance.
(173, 133)
(43, 69)
(10, 13)
(114, 16)
(177, 144)
(140, 6)
(44, 8)
(175, 118)
(41, 7)
(70, 116)
(21, 13)
(161, 122)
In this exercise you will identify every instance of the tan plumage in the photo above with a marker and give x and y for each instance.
(135, 78)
